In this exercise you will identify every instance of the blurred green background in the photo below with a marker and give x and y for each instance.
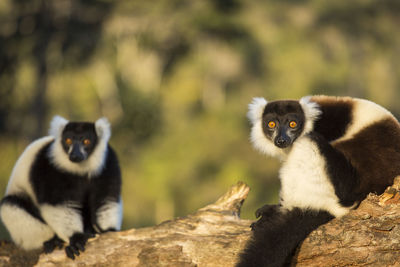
(174, 77)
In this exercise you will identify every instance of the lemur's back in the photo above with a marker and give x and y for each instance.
(367, 134)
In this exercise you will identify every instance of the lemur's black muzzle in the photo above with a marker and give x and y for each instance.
(282, 140)
(76, 154)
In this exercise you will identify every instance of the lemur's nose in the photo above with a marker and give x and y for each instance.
(281, 142)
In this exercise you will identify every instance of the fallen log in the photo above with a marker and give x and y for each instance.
(215, 235)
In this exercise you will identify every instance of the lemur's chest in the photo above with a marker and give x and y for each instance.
(305, 182)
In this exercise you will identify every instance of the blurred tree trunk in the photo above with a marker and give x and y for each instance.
(52, 35)
(215, 235)
(39, 105)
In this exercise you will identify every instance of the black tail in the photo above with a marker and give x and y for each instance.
(276, 237)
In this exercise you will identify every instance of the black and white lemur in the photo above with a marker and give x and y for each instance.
(335, 150)
(65, 187)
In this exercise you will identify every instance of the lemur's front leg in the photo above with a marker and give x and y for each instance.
(108, 217)
(67, 223)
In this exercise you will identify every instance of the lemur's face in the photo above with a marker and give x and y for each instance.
(79, 140)
(283, 122)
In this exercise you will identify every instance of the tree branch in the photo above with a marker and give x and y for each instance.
(215, 235)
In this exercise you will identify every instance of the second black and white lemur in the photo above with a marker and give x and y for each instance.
(334, 151)
(64, 188)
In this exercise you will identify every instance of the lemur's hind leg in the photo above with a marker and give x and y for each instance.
(24, 222)
(276, 237)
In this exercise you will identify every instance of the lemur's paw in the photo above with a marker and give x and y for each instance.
(51, 244)
(77, 244)
(267, 210)
(256, 224)
(264, 213)
(99, 230)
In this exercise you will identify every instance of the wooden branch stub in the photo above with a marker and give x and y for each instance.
(231, 201)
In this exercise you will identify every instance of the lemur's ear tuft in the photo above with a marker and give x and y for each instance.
(57, 125)
(311, 111)
(103, 129)
(256, 109)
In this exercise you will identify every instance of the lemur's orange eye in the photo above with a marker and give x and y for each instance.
(86, 142)
(68, 141)
(292, 124)
(271, 124)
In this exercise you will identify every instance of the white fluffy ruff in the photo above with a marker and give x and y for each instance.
(257, 136)
(94, 164)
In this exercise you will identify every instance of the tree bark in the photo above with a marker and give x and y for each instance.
(367, 236)
(215, 235)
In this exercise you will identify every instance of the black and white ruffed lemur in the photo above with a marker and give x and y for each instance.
(334, 151)
(64, 188)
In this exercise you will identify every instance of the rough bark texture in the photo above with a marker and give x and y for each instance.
(367, 236)
(214, 236)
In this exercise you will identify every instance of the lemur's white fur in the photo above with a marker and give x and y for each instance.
(26, 231)
(19, 179)
(106, 215)
(310, 187)
(57, 126)
(364, 113)
(311, 113)
(64, 219)
(256, 109)
(95, 163)
(30, 233)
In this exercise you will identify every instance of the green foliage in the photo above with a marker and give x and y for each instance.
(175, 78)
